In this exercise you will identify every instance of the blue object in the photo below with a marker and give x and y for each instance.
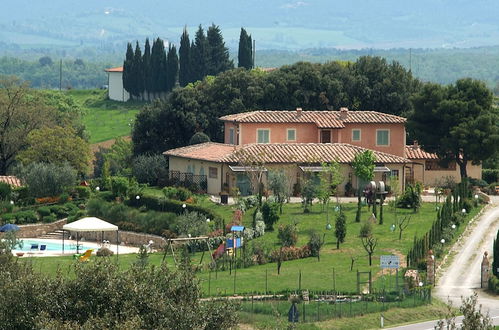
(43, 247)
(237, 228)
(9, 227)
(230, 243)
(34, 247)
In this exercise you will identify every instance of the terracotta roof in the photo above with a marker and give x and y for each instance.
(117, 69)
(12, 180)
(415, 152)
(323, 119)
(209, 151)
(281, 153)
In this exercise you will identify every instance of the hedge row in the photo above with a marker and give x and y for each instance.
(168, 205)
(490, 175)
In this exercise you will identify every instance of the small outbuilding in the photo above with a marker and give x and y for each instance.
(115, 90)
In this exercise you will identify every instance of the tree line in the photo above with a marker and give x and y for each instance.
(149, 75)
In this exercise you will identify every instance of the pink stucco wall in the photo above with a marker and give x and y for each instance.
(305, 133)
(368, 137)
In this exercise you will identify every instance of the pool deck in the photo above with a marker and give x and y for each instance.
(122, 249)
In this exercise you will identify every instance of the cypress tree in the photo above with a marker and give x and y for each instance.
(245, 53)
(146, 59)
(137, 75)
(184, 53)
(158, 66)
(127, 68)
(199, 52)
(495, 255)
(218, 54)
(171, 68)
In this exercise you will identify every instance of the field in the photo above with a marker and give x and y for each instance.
(105, 119)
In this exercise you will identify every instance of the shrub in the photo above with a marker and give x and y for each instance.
(6, 206)
(49, 218)
(366, 229)
(490, 175)
(60, 211)
(96, 207)
(199, 137)
(290, 253)
(128, 226)
(8, 218)
(411, 198)
(270, 214)
(64, 198)
(5, 190)
(44, 211)
(28, 216)
(106, 195)
(119, 186)
(150, 169)
(287, 235)
(315, 244)
(494, 284)
(182, 194)
(467, 204)
(82, 192)
(169, 234)
(259, 229)
(44, 179)
(104, 252)
(191, 223)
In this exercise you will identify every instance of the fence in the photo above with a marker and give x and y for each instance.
(328, 305)
(194, 182)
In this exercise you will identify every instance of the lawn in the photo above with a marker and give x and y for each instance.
(332, 272)
(105, 119)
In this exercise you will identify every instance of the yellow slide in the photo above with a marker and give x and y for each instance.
(86, 256)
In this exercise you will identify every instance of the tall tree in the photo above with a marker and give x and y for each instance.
(457, 122)
(245, 53)
(363, 167)
(146, 59)
(171, 68)
(218, 54)
(137, 71)
(127, 68)
(199, 51)
(21, 111)
(158, 66)
(184, 53)
(495, 256)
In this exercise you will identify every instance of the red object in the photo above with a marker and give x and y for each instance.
(219, 251)
(84, 184)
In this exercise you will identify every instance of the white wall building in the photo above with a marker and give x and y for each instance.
(115, 90)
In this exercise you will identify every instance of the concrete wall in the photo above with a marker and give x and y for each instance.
(116, 91)
(431, 178)
(125, 237)
(39, 229)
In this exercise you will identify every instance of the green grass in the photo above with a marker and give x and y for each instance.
(105, 119)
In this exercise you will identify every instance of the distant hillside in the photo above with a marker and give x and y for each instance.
(276, 24)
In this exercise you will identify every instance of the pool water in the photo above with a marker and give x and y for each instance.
(52, 246)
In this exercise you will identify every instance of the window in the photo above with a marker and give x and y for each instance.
(291, 136)
(263, 136)
(231, 136)
(435, 165)
(213, 172)
(326, 136)
(395, 173)
(382, 137)
(356, 135)
(201, 171)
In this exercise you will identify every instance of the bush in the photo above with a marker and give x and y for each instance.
(44, 179)
(494, 284)
(490, 175)
(191, 223)
(150, 169)
(5, 191)
(170, 192)
(287, 235)
(119, 186)
(28, 216)
(270, 213)
(411, 198)
(290, 253)
(128, 226)
(177, 193)
(8, 218)
(60, 211)
(49, 218)
(315, 244)
(366, 229)
(104, 252)
(199, 137)
(82, 192)
(6, 206)
(44, 211)
(107, 196)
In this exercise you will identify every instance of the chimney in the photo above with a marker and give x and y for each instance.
(298, 112)
(343, 113)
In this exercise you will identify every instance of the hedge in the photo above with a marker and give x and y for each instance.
(490, 175)
(168, 205)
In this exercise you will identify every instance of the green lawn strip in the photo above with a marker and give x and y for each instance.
(103, 118)
(393, 316)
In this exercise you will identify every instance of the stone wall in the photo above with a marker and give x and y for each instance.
(125, 237)
(39, 229)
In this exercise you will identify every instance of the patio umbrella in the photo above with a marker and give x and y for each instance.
(9, 227)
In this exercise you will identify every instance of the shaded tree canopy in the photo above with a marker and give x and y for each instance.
(310, 86)
(457, 122)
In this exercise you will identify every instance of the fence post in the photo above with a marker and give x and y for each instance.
(303, 312)
(209, 283)
(299, 281)
(266, 282)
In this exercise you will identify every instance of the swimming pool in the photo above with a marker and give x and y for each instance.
(52, 246)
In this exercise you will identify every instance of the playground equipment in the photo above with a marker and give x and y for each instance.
(184, 240)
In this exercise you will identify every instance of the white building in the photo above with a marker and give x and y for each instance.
(115, 90)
